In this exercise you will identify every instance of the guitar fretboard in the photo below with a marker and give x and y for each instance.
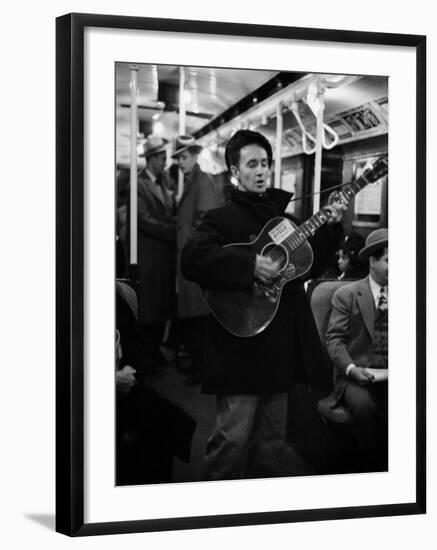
(308, 228)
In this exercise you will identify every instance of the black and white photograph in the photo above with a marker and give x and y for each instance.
(202, 344)
(226, 318)
(252, 298)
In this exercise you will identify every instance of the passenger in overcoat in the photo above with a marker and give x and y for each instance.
(199, 195)
(252, 375)
(156, 249)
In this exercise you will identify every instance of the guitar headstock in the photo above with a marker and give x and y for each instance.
(372, 174)
(378, 169)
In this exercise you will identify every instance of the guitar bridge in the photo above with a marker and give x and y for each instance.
(269, 292)
(290, 270)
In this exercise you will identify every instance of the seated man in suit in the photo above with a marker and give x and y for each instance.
(357, 343)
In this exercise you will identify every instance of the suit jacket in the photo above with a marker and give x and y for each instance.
(198, 197)
(156, 251)
(350, 331)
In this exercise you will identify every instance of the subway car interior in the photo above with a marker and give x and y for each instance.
(327, 132)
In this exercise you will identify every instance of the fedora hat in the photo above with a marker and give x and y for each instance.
(154, 145)
(376, 239)
(184, 143)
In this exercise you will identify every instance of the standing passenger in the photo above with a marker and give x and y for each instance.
(199, 196)
(156, 250)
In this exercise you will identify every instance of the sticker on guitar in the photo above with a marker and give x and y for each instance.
(281, 231)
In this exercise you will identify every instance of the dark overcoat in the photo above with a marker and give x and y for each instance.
(156, 251)
(289, 349)
(198, 197)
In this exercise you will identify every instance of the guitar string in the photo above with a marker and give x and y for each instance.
(309, 195)
(321, 191)
(296, 238)
(299, 235)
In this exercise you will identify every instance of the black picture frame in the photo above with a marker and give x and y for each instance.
(70, 273)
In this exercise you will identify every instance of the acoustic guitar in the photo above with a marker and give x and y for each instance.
(247, 313)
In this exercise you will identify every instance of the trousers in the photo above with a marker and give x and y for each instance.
(369, 409)
(248, 437)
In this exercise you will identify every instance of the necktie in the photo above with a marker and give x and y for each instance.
(382, 300)
(159, 189)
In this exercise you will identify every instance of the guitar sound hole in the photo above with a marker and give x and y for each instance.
(277, 253)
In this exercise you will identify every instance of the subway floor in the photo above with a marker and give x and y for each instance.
(171, 384)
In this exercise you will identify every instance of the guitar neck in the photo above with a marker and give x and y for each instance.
(308, 228)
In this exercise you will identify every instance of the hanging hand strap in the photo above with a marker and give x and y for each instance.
(306, 136)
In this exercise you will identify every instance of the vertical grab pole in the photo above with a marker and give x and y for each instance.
(319, 138)
(182, 123)
(133, 172)
(278, 150)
